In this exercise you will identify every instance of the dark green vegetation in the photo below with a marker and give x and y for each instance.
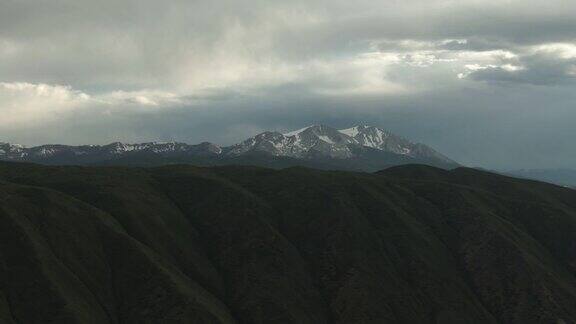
(369, 161)
(411, 244)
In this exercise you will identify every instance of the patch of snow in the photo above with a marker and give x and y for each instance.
(352, 132)
(278, 145)
(326, 139)
(46, 151)
(296, 132)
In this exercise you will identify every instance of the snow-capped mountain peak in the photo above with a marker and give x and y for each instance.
(307, 142)
(272, 143)
(353, 131)
(379, 139)
(321, 140)
(364, 145)
(324, 141)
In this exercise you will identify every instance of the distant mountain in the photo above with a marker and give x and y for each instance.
(308, 143)
(319, 141)
(182, 244)
(362, 148)
(563, 177)
(95, 154)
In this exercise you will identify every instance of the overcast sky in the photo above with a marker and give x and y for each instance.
(488, 83)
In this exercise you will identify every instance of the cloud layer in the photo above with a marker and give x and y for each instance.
(489, 84)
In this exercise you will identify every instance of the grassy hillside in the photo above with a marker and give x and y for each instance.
(410, 244)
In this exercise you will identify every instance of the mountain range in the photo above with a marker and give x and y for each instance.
(363, 148)
(185, 244)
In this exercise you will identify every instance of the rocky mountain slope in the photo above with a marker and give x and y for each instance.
(182, 244)
(359, 148)
(319, 141)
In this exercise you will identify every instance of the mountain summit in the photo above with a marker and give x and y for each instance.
(360, 148)
(320, 141)
(310, 142)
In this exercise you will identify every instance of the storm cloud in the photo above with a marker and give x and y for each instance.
(490, 84)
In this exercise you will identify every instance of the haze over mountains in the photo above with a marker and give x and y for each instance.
(563, 177)
(365, 148)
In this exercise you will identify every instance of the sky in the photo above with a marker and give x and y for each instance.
(487, 83)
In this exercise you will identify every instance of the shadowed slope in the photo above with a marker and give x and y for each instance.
(65, 261)
(410, 244)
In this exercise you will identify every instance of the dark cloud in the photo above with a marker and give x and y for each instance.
(490, 84)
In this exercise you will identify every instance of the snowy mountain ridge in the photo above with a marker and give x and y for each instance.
(368, 144)
(19, 152)
(323, 141)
